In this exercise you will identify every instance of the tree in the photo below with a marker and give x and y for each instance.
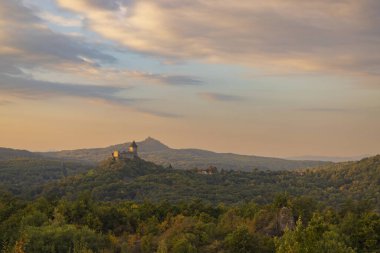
(183, 245)
(240, 241)
(317, 237)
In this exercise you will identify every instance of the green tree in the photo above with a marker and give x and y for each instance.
(147, 244)
(240, 241)
(183, 245)
(317, 237)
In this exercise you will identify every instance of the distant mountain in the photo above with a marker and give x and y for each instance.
(329, 158)
(154, 151)
(8, 153)
(24, 173)
(140, 180)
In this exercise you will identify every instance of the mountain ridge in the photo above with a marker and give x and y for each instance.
(10, 153)
(334, 159)
(155, 151)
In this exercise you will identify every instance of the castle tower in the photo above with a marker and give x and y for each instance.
(132, 149)
(130, 153)
(115, 155)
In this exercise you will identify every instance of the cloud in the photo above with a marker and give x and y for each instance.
(33, 57)
(116, 76)
(26, 43)
(359, 109)
(326, 109)
(175, 80)
(4, 102)
(163, 79)
(60, 20)
(42, 90)
(336, 37)
(37, 90)
(211, 96)
(159, 113)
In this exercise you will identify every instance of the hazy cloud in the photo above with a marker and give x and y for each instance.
(4, 102)
(175, 80)
(26, 43)
(342, 109)
(211, 96)
(35, 89)
(163, 79)
(159, 113)
(326, 109)
(329, 36)
(60, 20)
(41, 90)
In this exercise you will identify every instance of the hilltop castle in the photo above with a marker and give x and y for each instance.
(131, 152)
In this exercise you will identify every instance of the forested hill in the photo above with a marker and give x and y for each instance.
(154, 151)
(26, 176)
(138, 206)
(139, 180)
(8, 154)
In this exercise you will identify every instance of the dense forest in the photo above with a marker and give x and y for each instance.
(285, 225)
(139, 180)
(138, 206)
(26, 177)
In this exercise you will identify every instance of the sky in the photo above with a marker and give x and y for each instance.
(274, 78)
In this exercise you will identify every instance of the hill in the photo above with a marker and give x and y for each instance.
(8, 153)
(154, 151)
(26, 175)
(140, 180)
(334, 159)
(92, 212)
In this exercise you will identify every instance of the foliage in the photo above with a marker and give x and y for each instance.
(87, 225)
(137, 206)
(139, 180)
(316, 237)
(26, 176)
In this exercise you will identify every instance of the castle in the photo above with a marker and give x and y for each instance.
(131, 152)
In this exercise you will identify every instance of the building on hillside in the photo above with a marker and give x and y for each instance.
(130, 153)
(132, 149)
(209, 171)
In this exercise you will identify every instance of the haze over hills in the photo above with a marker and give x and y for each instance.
(334, 159)
(8, 153)
(153, 150)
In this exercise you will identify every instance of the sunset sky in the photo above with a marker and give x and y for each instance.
(275, 78)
